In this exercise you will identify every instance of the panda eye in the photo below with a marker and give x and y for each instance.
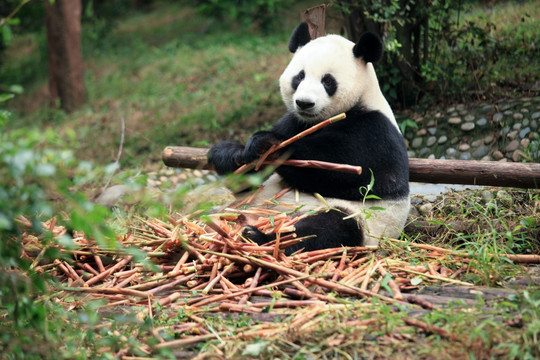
(297, 79)
(330, 84)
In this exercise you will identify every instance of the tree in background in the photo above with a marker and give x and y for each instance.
(66, 71)
(410, 29)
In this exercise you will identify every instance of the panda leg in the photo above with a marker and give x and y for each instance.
(328, 230)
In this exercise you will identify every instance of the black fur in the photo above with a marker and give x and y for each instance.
(299, 37)
(330, 84)
(328, 230)
(364, 138)
(369, 47)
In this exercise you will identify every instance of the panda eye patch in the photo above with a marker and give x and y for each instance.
(297, 79)
(330, 84)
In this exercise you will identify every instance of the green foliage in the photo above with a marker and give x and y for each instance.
(264, 13)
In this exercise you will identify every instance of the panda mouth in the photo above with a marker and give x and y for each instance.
(307, 115)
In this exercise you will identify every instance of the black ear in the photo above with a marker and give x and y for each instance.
(299, 37)
(369, 47)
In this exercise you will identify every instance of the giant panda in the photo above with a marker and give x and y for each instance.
(328, 76)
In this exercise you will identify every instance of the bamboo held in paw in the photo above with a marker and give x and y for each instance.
(242, 169)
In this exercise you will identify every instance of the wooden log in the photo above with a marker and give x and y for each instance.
(468, 172)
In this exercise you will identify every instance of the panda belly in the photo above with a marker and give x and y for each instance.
(337, 222)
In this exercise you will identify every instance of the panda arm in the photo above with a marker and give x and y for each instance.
(226, 156)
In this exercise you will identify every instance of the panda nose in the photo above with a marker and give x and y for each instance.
(304, 105)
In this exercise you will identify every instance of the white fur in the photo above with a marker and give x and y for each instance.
(357, 81)
(385, 222)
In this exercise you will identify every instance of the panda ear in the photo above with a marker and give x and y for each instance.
(299, 37)
(369, 47)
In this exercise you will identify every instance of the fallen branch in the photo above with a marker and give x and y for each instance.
(469, 172)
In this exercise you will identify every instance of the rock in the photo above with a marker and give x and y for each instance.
(423, 151)
(464, 147)
(534, 125)
(508, 112)
(416, 143)
(432, 122)
(476, 143)
(516, 156)
(430, 198)
(442, 139)
(465, 156)
(415, 200)
(481, 152)
(524, 132)
(504, 197)
(451, 151)
(518, 116)
(497, 117)
(413, 212)
(535, 115)
(486, 158)
(454, 120)
(512, 135)
(482, 122)
(516, 126)
(511, 146)
(524, 143)
(497, 155)
(411, 153)
(113, 194)
(421, 132)
(432, 130)
(468, 126)
(431, 141)
(455, 140)
(431, 156)
(450, 109)
(426, 209)
(488, 139)
(469, 118)
(487, 195)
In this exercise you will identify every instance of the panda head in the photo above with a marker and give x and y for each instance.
(330, 75)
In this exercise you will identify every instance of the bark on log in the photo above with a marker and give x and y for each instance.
(490, 173)
(315, 18)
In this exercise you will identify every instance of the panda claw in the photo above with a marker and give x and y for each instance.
(255, 235)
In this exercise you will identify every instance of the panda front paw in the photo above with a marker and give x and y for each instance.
(226, 156)
(255, 235)
(258, 144)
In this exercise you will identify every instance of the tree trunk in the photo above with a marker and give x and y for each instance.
(66, 73)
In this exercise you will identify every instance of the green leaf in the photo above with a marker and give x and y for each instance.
(416, 281)
(6, 97)
(255, 349)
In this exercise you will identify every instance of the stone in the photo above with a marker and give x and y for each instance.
(467, 126)
(442, 139)
(411, 153)
(534, 125)
(497, 155)
(450, 109)
(415, 200)
(416, 143)
(497, 117)
(486, 158)
(451, 151)
(504, 197)
(524, 132)
(431, 141)
(476, 143)
(464, 147)
(469, 118)
(482, 122)
(512, 135)
(431, 156)
(524, 143)
(432, 122)
(481, 152)
(516, 126)
(465, 156)
(460, 107)
(508, 112)
(432, 130)
(454, 140)
(423, 151)
(487, 195)
(503, 160)
(535, 115)
(426, 209)
(421, 132)
(430, 198)
(516, 156)
(454, 120)
(486, 108)
(511, 146)
(488, 139)
(517, 116)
